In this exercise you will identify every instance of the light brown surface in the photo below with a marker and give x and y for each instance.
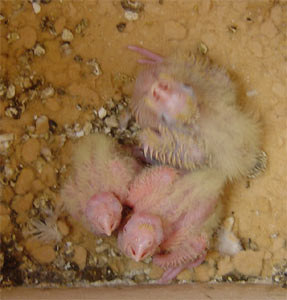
(246, 37)
(196, 291)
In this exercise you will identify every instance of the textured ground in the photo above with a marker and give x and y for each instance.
(63, 61)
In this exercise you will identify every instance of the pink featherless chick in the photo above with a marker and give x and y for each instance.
(188, 111)
(174, 216)
(102, 172)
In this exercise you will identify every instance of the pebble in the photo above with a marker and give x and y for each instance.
(87, 128)
(111, 121)
(102, 248)
(37, 186)
(48, 92)
(155, 272)
(204, 272)
(39, 50)
(12, 37)
(30, 150)
(131, 15)
(4, 209)
(24, 181)
(279, 90)
(202, 48)
(185, 275)
(36, 7)
(5, 224)
(67, 35)
(11, 91)
(80, 256)
(63, 227)
(46, 152)
(22, 203)
(224, 266)
(174, 30)
(42, 125)
(248, 262)
(44, 254)
(102, 113)
(48, 175)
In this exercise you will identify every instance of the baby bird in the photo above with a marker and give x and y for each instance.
(187, 109)
(174, 217)
(94, 193)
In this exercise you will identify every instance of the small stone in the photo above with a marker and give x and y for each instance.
(121, 26)
(27, 83)
(4, 209)
(30, 150)
(185, 275)
(174, 30)
(36, 7)
(102, 113)
(24, 181)
(48, 175)
(279, 90)
(111, 121)
(248, 262)
(95, 67)
(44, 254)
(48, 92)
(63, 227)
(67, 35)
(42, 125)
(39, 50)
(131, 16)
(84, 23)
(5, 224)
(2, 18)
(22, 203)
(204, 272)
(87, 128)
(12, 37)
(37, 186)
(224, 266)
(11, 91)
(6, 137)
(46, 152)
(202, 48)
(80, 256)
(13, 112)
(124, 119)
(156, 272)
(66, 48)
(102, 248)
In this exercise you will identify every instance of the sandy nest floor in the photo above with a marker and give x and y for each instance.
(65, 72)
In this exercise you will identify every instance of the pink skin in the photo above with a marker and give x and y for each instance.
(98, 188)
(165, 107)
(140, 236)
(182, 244)
(104, 213)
